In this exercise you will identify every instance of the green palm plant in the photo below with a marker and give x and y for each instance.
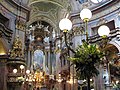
(86, 57)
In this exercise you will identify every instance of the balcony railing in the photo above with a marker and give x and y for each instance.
(113, 33)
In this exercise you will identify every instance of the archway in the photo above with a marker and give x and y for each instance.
(2, 48)
(112, 64)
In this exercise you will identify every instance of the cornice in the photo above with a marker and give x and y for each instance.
(102, 10)
(8, 8)
(63, 4)
(111, 8)
(17, 4)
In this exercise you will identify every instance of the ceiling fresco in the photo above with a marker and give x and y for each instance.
(60, 3)
(50, 11)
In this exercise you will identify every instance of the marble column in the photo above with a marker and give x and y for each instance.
(3, 75)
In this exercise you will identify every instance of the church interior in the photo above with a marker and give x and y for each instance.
(59, 44)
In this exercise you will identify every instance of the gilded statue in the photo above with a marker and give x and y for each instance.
(16, 52)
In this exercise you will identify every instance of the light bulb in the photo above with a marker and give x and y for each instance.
(65, 24)
(21, 67)
(14, 70)
(27, 71)
(103, 30)
(85, 14)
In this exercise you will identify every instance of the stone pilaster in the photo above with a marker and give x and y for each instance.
(3, 75)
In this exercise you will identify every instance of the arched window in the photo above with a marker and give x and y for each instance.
(2, 49)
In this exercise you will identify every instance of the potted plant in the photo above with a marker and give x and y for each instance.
(86, 57)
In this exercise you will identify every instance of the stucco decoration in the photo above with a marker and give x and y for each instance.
(42, 18)
(79, 30)
(61, 3)
(107, 11)
(49, 11)
(17, 51)
(10, 8)
(101, 21)
(20, 25)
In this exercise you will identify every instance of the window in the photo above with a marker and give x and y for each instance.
(4, 20)
(82, 1)
(96, 1)
(110, 24)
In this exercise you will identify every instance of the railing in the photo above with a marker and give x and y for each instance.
(96, 38)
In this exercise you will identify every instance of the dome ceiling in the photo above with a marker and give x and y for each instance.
(60, 3)
(42, 12)
(49, 11)
(44, 6)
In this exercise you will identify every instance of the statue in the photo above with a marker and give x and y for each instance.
(16, 52)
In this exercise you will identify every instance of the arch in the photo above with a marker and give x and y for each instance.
(43, 18)
(116, 44)
(112, 49)
(49, 1)
(3, 50)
